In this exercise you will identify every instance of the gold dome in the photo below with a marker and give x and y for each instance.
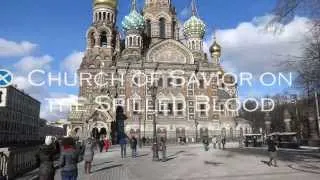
(110, 3)
(215, 49)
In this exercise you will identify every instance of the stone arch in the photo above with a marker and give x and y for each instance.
(170, 51)
(166, 16)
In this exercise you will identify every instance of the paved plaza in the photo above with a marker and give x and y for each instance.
(191, 162)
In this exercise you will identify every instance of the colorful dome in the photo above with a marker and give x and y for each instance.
(194, 27)
(134, 21)
(110, 3)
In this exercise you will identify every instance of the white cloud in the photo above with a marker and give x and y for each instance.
(72, 62)
(251, 48)
(50, 109)
(29, 63)
(11, 48)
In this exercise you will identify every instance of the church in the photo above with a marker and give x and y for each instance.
(154, 41)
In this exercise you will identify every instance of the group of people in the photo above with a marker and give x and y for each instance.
(133, 144)
(104, 143)
(219, 142)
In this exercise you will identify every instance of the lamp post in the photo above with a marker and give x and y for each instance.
(196, 123)
(154, 90)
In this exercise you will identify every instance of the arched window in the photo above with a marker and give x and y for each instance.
(104, 15)
(160, 82)
(109, 17)
(99, 16)
(103, 39)
(173, 28)
(135, 41)
(130, 41)
(162, 28)
(92, 39)
(139, 43)
(193, 45)
(148, 28)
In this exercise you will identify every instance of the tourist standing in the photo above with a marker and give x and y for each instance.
(133, 143)
(88, 155)
(69, 160)
(214, 142)
(272, 149)
(45, 158)
(123, 145)
(219, 142)
(223, 141)
(163, 148)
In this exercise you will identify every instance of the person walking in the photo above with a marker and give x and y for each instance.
(206, 144)
(88, 154)
(219, 142)
(101, 143)
(163, 149)
(223, 141)
(68, 160)
(272, 149)
(123, 145)
(133, 143)
(107, 144)
(214, 142)
(45, 159)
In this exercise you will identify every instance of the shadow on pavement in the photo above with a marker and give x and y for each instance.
(102, 163)
(106, 168)
(212, 163)
(169, 159)
(142, 155)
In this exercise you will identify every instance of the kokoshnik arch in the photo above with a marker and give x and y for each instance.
(152, 44)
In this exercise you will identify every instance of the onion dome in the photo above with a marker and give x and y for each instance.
(194, 27)
(215, 49)
(109, 3)
(133, 21)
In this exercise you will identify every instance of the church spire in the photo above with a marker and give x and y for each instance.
(194, 8)
(133, 5)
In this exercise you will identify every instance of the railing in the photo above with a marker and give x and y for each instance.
(16, 161)
(3, 166)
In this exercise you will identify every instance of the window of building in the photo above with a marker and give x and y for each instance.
(169, 83)
(170, 108)
(203, 110)
(179, 82)
(136, 82)
(148, 28)
(136, 108)
(162, 26)
(180, 108)
(103, 39)
(160, 82)
(201, 84)
(161, 109)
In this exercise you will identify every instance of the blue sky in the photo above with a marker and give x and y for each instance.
(57, 31)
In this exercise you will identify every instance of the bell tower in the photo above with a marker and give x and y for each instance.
(161, 20)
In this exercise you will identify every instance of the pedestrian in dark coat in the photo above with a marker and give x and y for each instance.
(68, 160)
(45, 158)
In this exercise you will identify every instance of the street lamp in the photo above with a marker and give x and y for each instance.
(196, 126)
(154, 90)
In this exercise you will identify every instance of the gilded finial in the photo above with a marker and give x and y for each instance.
(194, 8)
(133, 5)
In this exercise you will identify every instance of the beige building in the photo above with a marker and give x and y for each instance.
(152, 45)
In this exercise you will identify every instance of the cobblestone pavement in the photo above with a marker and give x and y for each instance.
(193, 163)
